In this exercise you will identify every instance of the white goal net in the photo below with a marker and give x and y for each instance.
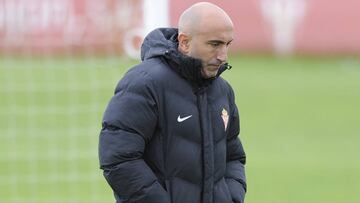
(59, 63)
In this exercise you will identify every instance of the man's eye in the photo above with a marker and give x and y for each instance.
(215, 44)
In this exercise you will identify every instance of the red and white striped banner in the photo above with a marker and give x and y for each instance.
(283, 26)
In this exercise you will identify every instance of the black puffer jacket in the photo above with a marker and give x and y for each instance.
(164, 138)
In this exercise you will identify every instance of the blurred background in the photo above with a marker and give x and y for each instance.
(296, 74)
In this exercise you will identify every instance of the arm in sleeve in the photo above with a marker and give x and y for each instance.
(128, 124)
(236, 158)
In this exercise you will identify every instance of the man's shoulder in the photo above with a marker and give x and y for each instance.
(222, 87)
(147, 73)
(223, 84)
(155, 68)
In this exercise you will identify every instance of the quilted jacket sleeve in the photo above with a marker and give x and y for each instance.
(235, 171)
(128, 124)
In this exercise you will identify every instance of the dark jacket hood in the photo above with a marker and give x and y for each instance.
(162, 42)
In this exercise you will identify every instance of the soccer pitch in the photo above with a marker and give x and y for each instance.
(299, 125)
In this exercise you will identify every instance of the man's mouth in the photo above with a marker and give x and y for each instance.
(215, 65)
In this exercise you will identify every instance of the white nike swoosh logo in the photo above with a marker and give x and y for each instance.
(179, 119)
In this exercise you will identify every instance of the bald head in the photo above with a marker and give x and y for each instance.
(202, 17)
(205, 33)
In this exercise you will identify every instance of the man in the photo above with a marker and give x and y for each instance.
(170, 133)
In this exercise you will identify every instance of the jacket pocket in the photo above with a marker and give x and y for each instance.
(222, 192)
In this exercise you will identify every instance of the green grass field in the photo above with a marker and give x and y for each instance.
(300, 120)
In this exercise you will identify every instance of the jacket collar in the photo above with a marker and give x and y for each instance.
(189, 67)
(162, 42)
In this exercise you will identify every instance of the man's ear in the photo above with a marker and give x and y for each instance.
(184, 43)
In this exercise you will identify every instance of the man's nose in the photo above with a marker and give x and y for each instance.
(222, 54)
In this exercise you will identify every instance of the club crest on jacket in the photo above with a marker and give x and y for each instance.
(225, 117)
